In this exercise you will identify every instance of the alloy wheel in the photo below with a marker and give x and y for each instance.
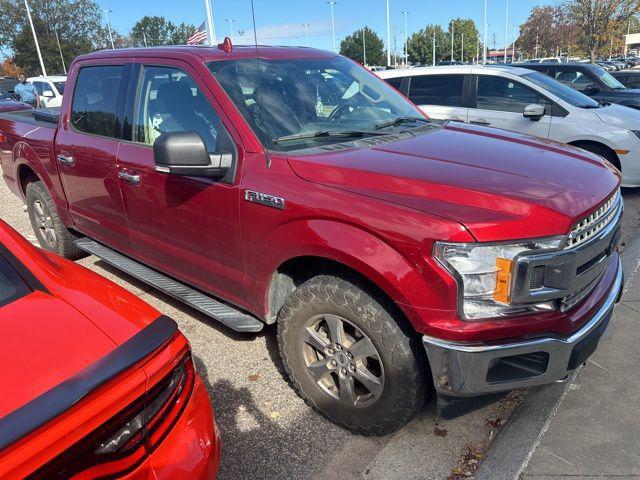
(342, 360)
(44, 223)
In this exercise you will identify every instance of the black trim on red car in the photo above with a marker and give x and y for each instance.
(61, 398)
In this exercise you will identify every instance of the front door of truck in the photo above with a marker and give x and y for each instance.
(185, 226)
(500, 103)
(86, 146)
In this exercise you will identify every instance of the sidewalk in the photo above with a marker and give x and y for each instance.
(596, 431)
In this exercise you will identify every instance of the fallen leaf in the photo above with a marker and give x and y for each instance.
(253, 378)
(439, 432)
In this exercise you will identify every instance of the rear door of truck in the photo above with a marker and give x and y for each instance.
(87, 144)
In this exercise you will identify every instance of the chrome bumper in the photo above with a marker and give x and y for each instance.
(463, 370)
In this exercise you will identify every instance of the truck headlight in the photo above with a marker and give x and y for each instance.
(484, 273)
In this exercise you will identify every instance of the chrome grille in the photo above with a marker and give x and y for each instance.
(571, 300)
(595, 222)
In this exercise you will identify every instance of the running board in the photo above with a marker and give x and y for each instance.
(229, 316)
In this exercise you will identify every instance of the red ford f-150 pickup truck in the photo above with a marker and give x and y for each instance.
(270, 185)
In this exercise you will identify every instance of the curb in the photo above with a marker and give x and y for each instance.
(516, 443)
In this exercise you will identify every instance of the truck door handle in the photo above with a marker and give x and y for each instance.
(66, 160)
(481, 122)
(131, 178)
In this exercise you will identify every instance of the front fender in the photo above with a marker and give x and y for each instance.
(408, 278)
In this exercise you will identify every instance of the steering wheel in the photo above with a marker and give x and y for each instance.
(341, 112)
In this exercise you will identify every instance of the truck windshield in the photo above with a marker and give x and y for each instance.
(560, 90)
(609, 80)
(294, 104)
(4, 95)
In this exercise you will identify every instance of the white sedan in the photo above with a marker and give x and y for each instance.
(528, 102)
(50, 89)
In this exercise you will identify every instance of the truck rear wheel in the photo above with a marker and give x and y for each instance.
(348, 358)
(49, 229)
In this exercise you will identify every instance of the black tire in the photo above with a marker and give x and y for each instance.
(399, 365)
(604, 152)
(47, 226)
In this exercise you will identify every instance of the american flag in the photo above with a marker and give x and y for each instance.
(199, 36)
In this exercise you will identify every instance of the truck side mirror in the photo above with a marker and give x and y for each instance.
(185, 153)
(533, 111)
(48, 94)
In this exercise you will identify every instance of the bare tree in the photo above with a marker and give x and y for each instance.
(599, 19)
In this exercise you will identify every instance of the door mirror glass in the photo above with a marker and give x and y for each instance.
(185, 153)
(591, 89)
(533, 111)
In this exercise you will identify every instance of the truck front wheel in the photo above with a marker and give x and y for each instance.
(49, 229)
(348, 358)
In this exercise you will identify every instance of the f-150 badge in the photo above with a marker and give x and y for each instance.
(264, 199)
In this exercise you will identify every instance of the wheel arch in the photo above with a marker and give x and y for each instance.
(353, 253)
(595, 143)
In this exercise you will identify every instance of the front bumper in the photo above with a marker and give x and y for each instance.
(472, 370)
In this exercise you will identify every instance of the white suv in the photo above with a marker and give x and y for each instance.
(50, 89)
(528, 102)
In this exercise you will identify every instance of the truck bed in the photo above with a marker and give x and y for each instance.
(42, 117)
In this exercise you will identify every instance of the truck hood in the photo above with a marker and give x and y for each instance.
(500, 185)
(47, 341)
(619, 116)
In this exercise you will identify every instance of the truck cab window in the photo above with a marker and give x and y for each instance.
(170, 101)
(95, 98)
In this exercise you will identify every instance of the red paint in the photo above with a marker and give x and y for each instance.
(50, 336)
(377, 211)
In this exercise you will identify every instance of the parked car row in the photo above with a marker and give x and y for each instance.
(524, 101)
(397, 254)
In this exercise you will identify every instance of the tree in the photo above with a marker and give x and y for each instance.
(8, 68)
(552, 29)
(151, 31)
(75, 21)
(181, 33)
(460, 27)
(420, 45)
(352, 47)
(597, 20)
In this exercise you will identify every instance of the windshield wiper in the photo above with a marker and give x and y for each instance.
(399, 121)
(325, 133)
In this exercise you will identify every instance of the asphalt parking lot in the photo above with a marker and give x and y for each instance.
(267, 431)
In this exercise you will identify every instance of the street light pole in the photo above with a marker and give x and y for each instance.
(106, 14)
(433, 52)
(536, 46)
(388, 37)
(484, 35)
(506, 31)
(462, 49)
(333, 25)
(64, 67)
(513, 46)
(35, 38)
(453, 26)
(306, 33)
(211, 28)
(230, 21)
(364, 48)
(405, 37)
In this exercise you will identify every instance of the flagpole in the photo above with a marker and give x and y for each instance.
(211, 28)
(35, 38)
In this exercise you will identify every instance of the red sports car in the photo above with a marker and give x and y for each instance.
(95, 383)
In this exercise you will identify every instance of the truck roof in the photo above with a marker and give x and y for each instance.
(213, 52)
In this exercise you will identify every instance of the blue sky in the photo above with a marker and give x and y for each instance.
(281, 21)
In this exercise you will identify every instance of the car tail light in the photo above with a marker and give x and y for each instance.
(122, 443)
